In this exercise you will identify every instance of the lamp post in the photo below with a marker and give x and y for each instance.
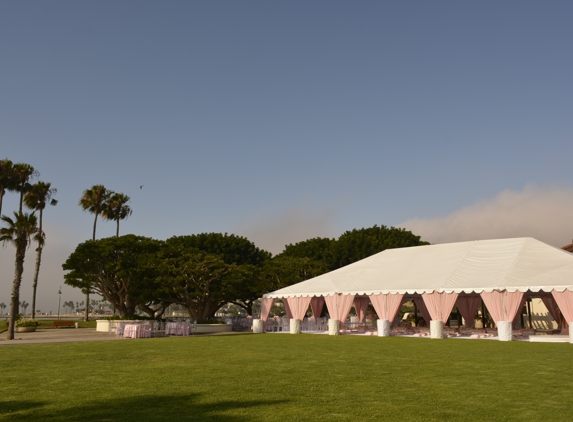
(59, 300)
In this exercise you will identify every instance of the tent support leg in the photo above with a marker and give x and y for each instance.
(333, 327)
(436, 329)
(257, 326)
(294, 326)
(383, 327)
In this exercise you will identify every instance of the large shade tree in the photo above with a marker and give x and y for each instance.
(36, 198)
(95, 201)
(200, 282)
(117, 268)
(243, 283)
(18, 232)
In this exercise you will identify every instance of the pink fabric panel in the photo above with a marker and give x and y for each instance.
(516, 319)
(298, 306)
(266, 305)
(502, 306)
(440, 304)
(361, 306)
(551, 306)
(339, 306)
(565, 302)
(423, 310)
(468, 307)
(386, 305)
(287, 308)
(317, 303)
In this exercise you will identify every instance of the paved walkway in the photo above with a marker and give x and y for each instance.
(71, 335)
(57, 335)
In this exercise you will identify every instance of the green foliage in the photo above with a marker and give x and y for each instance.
(26, 323)
(118, 268)
(352, 246)
(231, 248)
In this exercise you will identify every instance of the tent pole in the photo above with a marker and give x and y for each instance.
(529, 312)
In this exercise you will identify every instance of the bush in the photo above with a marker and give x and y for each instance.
(26, 323)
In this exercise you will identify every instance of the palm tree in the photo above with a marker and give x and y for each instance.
(117, 209)
(23, 173)
(36, 199)
(24, 306)
(94, 200)
(2, 307)
(18, 232)
(7, 180)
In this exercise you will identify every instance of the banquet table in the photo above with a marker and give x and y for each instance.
(178, 328)
(137, 331)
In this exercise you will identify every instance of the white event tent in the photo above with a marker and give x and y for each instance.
(501, 272)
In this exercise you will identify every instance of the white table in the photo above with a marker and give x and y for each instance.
(137, 331)
(178, 328)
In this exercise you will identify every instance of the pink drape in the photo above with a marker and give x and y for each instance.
(516, 319)
(316, 304)
(361, 306)
(423, 310)
(386, 305)
(298, 306)
(565, 302)
(551, 306)
(440, 304)
(502, 306)
(266, 305)
(339, 306)
(468, 307)
(287, 309)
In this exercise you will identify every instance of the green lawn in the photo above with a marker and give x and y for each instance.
(276, 377)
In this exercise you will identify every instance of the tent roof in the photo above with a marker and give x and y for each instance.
(512, 264)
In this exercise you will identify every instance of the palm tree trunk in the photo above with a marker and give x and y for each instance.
(117, 228)
(19, 270)
(1, 197)
(87, 310)
(37, 269)
(21, 197)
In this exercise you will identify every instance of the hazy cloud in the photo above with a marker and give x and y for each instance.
(60, 243)
(272, 231)
(544, 213)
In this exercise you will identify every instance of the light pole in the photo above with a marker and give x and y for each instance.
(59, 300)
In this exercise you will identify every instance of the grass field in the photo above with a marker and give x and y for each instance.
(276, 377)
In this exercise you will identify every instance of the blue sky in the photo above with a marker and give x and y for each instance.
(282, 121)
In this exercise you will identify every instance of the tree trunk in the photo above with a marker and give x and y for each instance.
(18, 271)
(37, 269)
(87, 310)
(1, 197)
(117, 228)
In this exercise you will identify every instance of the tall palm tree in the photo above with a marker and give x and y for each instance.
(36, 199)
(7, 180)
(23, 173)
(117, 209)
(18, 232)
(95, 201)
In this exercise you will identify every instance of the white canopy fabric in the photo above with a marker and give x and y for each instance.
(519, 264)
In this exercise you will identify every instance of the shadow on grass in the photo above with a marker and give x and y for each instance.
(140, 408)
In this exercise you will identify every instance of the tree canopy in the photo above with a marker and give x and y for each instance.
(353, 245)
(117, 268)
